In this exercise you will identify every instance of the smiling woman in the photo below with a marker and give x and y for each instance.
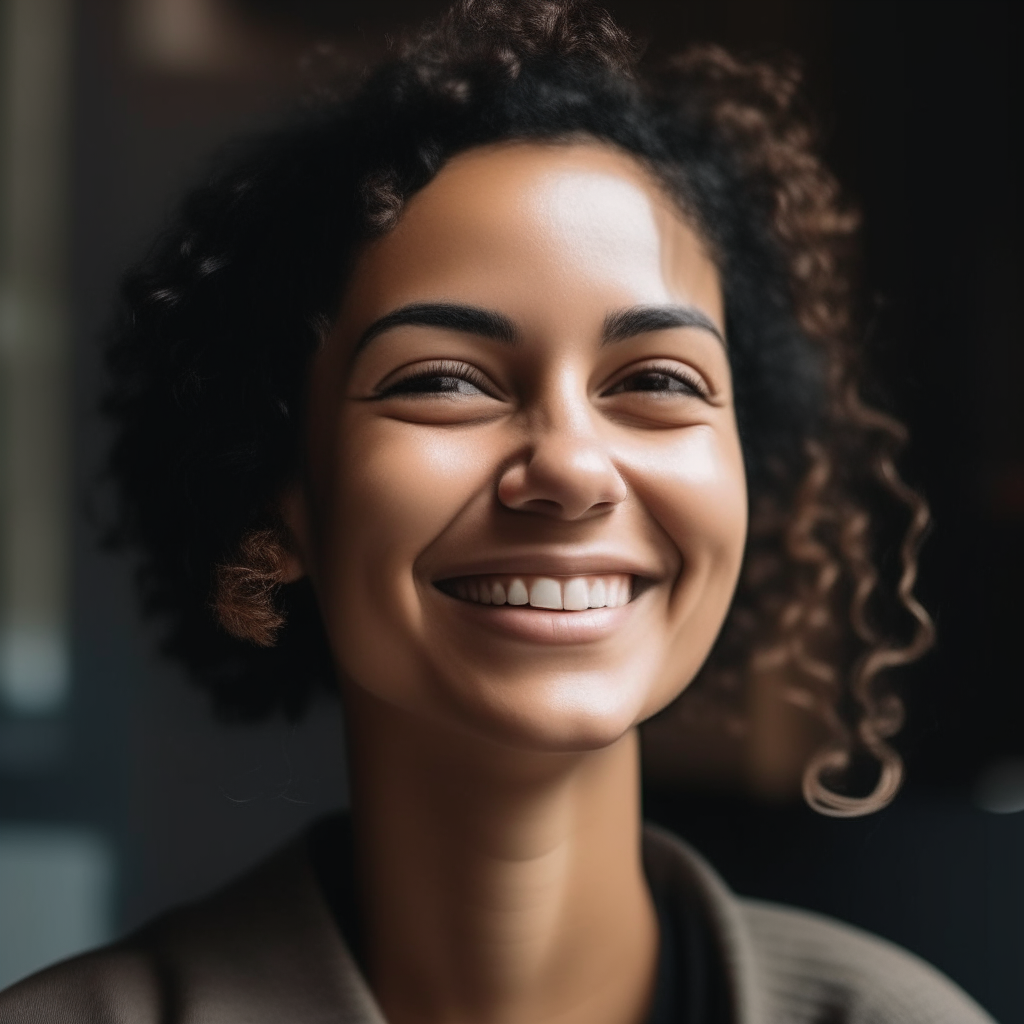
(458, 397)
(540, 406)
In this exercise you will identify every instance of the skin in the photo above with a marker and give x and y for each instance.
(494, 751)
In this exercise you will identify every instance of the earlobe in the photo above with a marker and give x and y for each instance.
(292, 510)
(292, 567)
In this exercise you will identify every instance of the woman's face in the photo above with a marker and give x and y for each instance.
(525, 506)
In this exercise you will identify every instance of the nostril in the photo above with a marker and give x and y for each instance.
(542, 505)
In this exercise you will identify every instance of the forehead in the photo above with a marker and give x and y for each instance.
(505, 222)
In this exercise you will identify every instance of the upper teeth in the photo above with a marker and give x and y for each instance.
(572, 594)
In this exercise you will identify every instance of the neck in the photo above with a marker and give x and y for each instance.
(498, 886)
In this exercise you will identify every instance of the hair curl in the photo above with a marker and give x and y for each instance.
(218, 324)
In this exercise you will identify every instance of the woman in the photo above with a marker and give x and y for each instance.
(509, 396)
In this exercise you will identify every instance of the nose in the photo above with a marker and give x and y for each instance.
(565, 471)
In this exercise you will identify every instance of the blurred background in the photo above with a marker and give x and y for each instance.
(118, 794)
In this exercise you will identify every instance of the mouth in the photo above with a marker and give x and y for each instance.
(548, 593)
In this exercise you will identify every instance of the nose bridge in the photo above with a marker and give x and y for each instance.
(563, 412)
(567, 469)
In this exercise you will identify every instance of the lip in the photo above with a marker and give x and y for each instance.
(539, 626)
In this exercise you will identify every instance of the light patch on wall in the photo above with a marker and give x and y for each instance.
(34, 670)
(56, 888)
(190, 37)
(1000, 787)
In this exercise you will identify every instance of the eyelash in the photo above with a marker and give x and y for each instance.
(449, 370)
(693, 384)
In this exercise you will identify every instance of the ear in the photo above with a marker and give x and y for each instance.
(294, 556)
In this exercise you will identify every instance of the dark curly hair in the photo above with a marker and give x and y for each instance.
(218, 324)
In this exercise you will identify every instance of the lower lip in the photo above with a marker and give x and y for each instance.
(541, 626)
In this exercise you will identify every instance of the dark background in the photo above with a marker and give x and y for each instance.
(920, 108)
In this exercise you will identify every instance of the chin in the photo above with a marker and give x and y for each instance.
(567, 714)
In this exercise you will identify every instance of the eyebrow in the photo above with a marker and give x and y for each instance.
(448, 315)
(452, 316)
(627, 323)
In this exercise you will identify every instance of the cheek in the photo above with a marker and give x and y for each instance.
(397, 487)
(694, 488)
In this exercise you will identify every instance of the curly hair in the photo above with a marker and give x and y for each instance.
(210, 356)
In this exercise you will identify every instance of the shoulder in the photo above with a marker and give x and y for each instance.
(810, 964)
(788, 966)
(260, 951)
(110, 986)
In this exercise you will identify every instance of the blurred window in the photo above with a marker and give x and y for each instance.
(54, 896)
(34, 396)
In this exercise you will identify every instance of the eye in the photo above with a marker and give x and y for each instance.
(446, 377)
(666, 380)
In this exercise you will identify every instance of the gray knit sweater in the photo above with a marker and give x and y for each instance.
(266, 951)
